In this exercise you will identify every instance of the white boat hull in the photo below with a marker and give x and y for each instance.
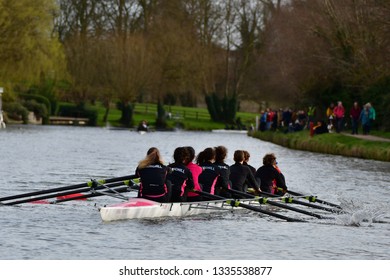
(138, 208)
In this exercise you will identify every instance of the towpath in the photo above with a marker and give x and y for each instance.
(368, 137)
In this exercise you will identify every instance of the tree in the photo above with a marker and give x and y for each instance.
(28, 46)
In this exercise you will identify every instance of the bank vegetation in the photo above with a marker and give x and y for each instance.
(330, 143)
(197, 53)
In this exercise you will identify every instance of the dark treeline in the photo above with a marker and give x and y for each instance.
(291, 53)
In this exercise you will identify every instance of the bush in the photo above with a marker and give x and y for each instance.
(16, 111)
(38, 98)
(39, 109)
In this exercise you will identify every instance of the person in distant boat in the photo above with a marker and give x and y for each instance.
(210, 172)
(241, 176)
(143, 126)
(153, 176)
(223, 179)
(180, 176)
(196, 170)
(270, 178)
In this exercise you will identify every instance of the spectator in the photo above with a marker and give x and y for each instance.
(330, 115)
(372, 114)
(365, 119)
(320, 128)
(354, 113)
(339, 112)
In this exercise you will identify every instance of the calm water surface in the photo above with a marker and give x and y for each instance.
(41, 157)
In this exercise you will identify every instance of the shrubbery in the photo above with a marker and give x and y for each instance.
(16, 111)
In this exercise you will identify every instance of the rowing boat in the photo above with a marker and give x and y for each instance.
(139, 208)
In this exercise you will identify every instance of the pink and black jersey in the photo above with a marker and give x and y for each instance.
(209, 177)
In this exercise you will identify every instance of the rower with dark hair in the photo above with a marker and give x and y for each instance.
(241, 176)
(223, 180)
(180, 176)
(196, 170)
(152, 173)
(246, 160)
(270, 178)
(210, 172)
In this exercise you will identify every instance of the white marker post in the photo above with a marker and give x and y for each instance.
(2, 123)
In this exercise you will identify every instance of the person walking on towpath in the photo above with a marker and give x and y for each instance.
(354, 113)
(339, 113)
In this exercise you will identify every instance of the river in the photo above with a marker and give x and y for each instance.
(41, 157)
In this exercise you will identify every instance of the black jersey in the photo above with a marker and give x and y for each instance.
(267, 175)
(153, 182)
(209, 176)
(241, 177)
(182, 181)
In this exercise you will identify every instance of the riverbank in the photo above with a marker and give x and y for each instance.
(364, 147)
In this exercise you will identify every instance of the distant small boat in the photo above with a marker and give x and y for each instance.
(230, 131)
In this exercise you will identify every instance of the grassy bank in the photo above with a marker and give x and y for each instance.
(330, 143)
(198, 119)
(187, 118)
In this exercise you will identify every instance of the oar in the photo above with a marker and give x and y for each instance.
(68, 188)
(308, 204)
(131, 186)
(296, 201)
(263, 200)
(314, 199)
(52, 195)
(236, 203)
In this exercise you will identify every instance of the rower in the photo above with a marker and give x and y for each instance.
(270, 178)
(180, 176)
(153, 173)
(223, 180)
(196, 170)
(210, 172)
(241, 175)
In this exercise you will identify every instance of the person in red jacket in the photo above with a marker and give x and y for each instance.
(339, 113)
